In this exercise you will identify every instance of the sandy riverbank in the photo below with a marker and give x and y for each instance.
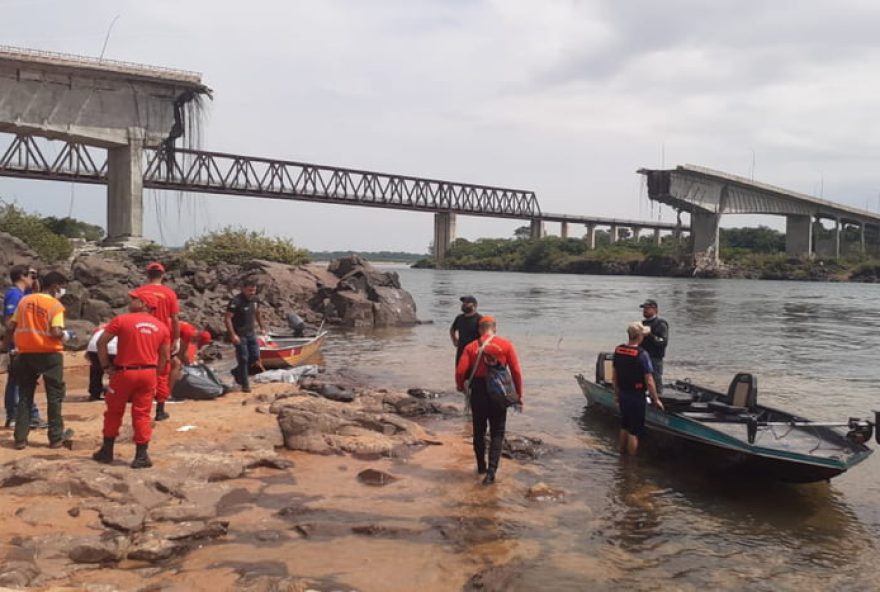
(222, 510)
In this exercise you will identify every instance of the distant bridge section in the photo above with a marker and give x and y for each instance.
(708, 194)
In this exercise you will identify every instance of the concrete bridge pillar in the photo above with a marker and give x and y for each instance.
(125, 189)
(656, 237)
(444, 234)
(798, 236)
(704, 231)
(862, 238)
(590, 237)
(537, 228)
(612, 236)
(837, 226)
(563, 230)
(636, 232)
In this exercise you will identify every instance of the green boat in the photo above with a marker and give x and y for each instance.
(733, 433)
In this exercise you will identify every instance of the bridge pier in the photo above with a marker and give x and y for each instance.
(704, 231)
(563, 230)
(837, 229)
(798, 236)
(537, 228)
(636, 232)
(444, 234)
(612, 234)
(125, 189)
(590, 237)
(862, 238)
(656, 237)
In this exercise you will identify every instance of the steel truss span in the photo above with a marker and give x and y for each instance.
(231, 174)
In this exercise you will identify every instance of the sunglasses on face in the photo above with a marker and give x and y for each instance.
(32, 274)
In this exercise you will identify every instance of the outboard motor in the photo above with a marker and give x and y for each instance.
(296, 324)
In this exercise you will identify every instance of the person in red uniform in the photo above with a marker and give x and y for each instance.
(191, 341)
(142, 346)
(167, 310)
(472, 367)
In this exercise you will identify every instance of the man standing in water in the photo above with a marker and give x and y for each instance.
(488, 349)
(633, 374)
(656, 341)
(464, 328)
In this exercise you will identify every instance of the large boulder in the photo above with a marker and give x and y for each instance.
(13, 251)
(96, 269)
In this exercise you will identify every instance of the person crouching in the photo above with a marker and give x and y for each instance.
(142, 347)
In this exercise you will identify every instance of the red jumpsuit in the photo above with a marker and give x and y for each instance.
(167, 306)
(140, 336)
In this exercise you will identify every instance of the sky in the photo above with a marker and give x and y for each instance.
(566, 98)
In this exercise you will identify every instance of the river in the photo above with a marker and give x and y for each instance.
(655, 522)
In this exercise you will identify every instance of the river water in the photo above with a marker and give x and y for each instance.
(655, 522)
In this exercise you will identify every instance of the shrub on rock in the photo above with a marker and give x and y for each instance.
(237, 246)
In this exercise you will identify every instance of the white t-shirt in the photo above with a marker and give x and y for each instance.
(93, 344)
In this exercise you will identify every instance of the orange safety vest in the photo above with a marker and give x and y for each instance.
(33, 319)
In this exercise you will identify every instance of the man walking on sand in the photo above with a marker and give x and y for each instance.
(633, 375)
(37, 327)
(167, 311)
(142, 347)
(242, 317)
(471, 372)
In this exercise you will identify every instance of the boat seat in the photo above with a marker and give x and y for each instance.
(742, 395)
(605, 368)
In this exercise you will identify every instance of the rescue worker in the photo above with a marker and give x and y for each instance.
(191, 341)
(633, 375)
(96, 373)
(142, 348)
(472, 367)
(656, 341)
(167, 310)
(37, 328)
(242, 317)
(464, 328)
(24, 280)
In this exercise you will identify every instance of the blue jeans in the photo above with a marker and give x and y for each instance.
(247, 353)
(11, 398)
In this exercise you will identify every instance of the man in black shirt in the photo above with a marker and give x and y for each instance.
(242, 316)
(656, 341)
(465, 327)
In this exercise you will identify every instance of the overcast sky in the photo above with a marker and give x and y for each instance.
(567, 98)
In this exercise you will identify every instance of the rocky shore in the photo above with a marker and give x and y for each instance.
(243, 479)
(348, 292)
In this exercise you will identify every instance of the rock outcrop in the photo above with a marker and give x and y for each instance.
(349, 292)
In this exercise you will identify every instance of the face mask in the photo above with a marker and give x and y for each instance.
(60, 293)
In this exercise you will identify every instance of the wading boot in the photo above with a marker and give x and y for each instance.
(489, 479)
(141, 458)
(481, 464)
(105, 453)
(160, 412)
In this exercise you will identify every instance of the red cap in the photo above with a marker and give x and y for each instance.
(204, 338)
(148, 299)
(156, 266)
(486, 319)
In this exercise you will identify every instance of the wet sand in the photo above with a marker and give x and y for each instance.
(314, 525)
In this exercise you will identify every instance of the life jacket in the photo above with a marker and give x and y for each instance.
(628, 368)
(33, 318)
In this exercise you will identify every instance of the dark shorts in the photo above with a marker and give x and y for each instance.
(632, 412)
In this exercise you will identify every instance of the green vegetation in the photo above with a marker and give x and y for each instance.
(237, 246)
(73, 228)
(34, 232)
(746, 252)
(387, 256)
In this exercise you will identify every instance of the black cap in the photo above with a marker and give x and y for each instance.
(468, 299)
(648, 303)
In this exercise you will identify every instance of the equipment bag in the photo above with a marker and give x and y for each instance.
(499, 385)
(199, 383)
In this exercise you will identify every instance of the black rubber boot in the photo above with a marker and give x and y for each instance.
(105, 452)
(141, 458)
(160, 412)
(489, 479)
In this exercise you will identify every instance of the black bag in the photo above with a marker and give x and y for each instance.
(499, 385)
(199, 383)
